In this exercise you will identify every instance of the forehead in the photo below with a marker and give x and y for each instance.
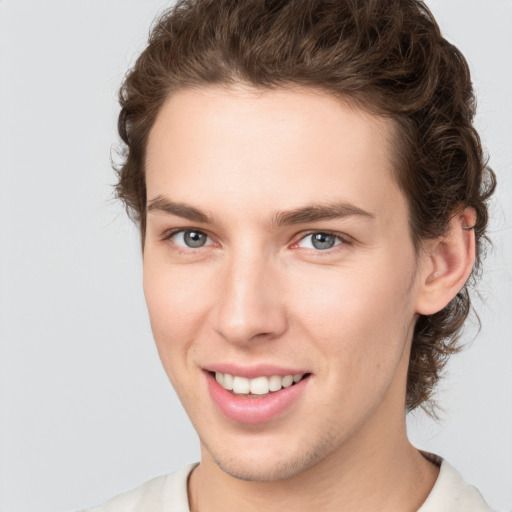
(270, 149)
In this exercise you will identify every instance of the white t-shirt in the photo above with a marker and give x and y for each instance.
(168, 493)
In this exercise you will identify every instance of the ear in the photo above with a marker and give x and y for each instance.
(446, 264)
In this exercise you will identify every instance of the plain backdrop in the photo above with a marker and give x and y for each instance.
(86, 410)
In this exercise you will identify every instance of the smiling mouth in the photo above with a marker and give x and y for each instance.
(258, 386)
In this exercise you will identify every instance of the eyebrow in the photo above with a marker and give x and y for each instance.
(302, 215)
(315, 213)
(163, 205)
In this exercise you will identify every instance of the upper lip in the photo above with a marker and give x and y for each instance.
(253, 371)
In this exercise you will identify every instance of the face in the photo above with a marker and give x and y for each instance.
(277, 250)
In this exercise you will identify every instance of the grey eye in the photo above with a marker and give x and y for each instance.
(320, 241)
(323, 241)
(194, 239)
(190, 239)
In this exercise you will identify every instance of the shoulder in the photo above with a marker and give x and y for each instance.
(451, 494)
(166, 492)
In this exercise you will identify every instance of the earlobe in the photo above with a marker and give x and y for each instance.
(447, 264)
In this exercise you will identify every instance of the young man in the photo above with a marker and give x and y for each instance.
(311, 196)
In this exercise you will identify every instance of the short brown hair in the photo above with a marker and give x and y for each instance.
(387, 56)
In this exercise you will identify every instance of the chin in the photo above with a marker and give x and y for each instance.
(277, 466)
(250, 472)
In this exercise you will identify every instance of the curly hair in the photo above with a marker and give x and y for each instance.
(386, 56)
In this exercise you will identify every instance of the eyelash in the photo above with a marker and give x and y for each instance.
(341, 238)
(182, 249)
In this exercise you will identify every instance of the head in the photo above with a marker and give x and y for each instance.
(384, 60)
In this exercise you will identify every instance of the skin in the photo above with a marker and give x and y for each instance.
(259, 292)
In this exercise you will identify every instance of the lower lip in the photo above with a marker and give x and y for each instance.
(261, 408)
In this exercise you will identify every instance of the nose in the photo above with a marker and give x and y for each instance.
(251, 301)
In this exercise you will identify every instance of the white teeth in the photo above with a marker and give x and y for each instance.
(287, 381)
(256, 386)
(275, 383)
(259, 386)
(240, 385)
(228, 381)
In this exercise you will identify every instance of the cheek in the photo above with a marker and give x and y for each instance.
(359, 331)
(176, 303)
(359, 316)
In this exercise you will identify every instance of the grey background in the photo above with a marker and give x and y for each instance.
(86, 410)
